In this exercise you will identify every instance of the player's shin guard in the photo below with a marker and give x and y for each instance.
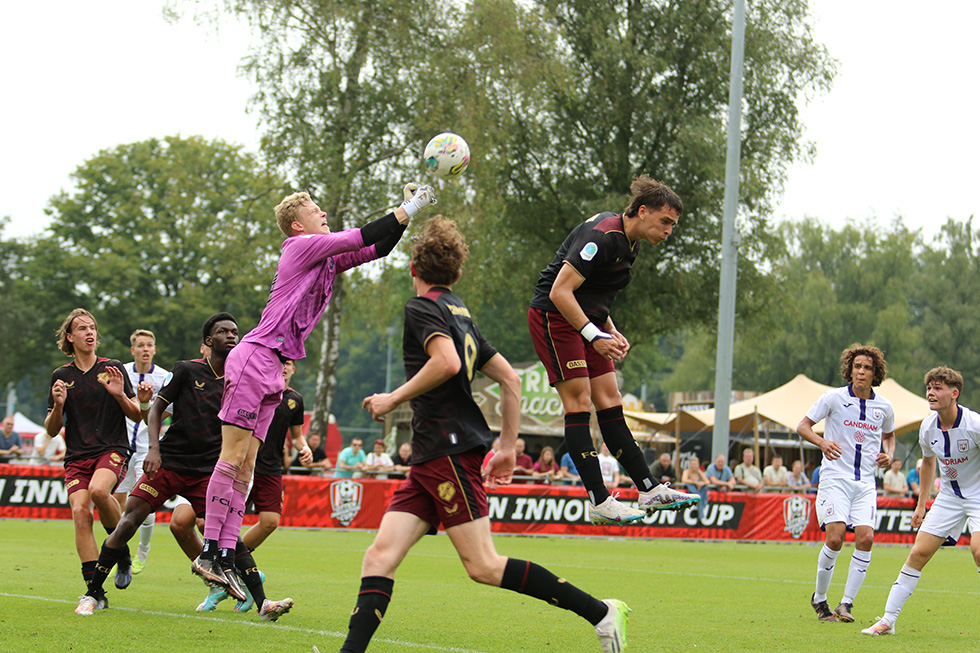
(249, 571)
(825, 572)
(578, 438)
(218, 498)
(618, 437)
(231, 530)
(525, 577)
(900, 592)
(108, 558)
(372, 603)
(856, 573)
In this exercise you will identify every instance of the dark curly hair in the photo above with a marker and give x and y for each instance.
(211, 321)
(877, 360)
(439, 251)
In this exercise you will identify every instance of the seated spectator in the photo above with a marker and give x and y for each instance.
(10, 442)
(546, 468)
(774, 475)
(48, 450)
(350, 460)
(378, 461)
(720, 475)
(400, 461)
(320, 462)
(913, 479)
(662, 470)
(747, 473)
(895, 484)
(696, 482)
(569, 473)
(796, 478)
(609, 467)
(523, 464)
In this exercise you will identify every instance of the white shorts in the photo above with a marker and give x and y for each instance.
(843, 500)
(948, 514)
(133, 473)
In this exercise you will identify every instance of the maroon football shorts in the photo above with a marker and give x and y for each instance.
(78, 474)
(267, 493)
(562, 349)
(166, 483)
(446, 490)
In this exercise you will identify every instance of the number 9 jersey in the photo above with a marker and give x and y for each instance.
(857, 426)
(446, 420)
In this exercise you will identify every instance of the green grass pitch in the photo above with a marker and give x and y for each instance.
(704, 596)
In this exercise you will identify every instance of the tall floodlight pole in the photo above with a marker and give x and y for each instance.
(729, 242)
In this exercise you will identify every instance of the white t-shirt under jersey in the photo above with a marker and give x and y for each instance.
(957, 451)
(857, 426)
(139, 438)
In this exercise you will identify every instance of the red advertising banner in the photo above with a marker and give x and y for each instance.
(38, 492)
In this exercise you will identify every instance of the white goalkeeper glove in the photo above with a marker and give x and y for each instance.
(422, 198)
(410, 189)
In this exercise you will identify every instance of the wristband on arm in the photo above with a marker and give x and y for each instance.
(591, 333)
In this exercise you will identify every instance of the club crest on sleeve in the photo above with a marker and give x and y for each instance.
(589, 251)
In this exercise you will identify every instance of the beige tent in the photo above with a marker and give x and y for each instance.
(786, 405)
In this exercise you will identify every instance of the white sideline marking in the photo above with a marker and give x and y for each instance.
(255, 624)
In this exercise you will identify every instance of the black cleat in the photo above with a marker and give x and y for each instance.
(234, 586)
(210, 571)
(843, 612)
(124, 573)
(823, 611)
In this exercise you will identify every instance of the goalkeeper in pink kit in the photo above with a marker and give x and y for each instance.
(311, 259)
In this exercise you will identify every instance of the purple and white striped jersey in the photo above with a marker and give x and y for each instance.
(303, 286)
(956, 450)
(857, 426)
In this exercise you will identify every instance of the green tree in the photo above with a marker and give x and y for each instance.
(155, 235)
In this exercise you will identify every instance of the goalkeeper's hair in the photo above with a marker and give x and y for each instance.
(651, 193)
(286, 210)
(948, 377)
(439, 251)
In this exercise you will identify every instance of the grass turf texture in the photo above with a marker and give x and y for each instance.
(713, 596)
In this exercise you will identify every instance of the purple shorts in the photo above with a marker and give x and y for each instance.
(253, 388)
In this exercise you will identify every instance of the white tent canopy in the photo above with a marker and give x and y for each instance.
(24, 426)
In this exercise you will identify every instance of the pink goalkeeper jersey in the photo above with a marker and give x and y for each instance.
(303, 286)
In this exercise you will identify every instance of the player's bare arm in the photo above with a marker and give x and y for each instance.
(299, 442)
(443, 364)
(830, 449)
(884, 458)
(154, 419)
(500, 469)
(562, 296)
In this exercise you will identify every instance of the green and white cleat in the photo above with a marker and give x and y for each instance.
(612, 511)
(612, 629)
(215, 596)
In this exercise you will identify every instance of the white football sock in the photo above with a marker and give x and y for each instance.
(900, 592)
(825, 572)
(856, 572)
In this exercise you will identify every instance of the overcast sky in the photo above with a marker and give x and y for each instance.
(896, 136)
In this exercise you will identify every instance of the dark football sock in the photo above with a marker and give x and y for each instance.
(534, 580)
(210, 550)
(108, 558)
(372, 603)
(249, 572)
(618, 437)
(578, 437)
(88, 570)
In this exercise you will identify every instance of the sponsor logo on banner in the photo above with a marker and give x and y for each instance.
(345, 499)
(796, 515)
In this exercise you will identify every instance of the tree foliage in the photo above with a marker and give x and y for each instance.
(158, 234)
